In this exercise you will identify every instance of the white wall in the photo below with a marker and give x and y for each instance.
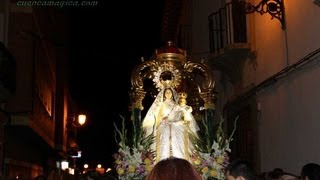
(289, 121)
(289, 128)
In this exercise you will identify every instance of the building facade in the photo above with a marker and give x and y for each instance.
(266, 62)
(35, 102)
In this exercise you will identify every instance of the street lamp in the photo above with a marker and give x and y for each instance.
(64, 165)
(85, 168)
(100, 169)
(77, 120)
(82, 119)
(73, 123)
(73, 150)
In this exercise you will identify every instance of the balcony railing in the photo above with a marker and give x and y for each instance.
(227, 26)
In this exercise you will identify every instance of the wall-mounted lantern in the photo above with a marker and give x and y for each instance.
(82, 119)
(273, 7)
(77, 120)
(74, 122)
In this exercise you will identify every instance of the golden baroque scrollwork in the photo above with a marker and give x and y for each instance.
(142, 71)
(136, 98)
(209, 82)
(208, 98)
(165, 72)
(154, 70)
(162, 68)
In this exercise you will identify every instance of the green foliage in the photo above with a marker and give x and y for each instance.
(134, 159)
(212, 147)
(210, 134)
(121, 136)
(136, 140)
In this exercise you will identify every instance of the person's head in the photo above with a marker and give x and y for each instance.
(168, 94)
(310, 171)
(174, 169)
(183, 102)
(275, 174)
(240, 170)
(183, 98)
(288, 176)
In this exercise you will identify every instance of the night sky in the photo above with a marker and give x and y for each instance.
(106, 42)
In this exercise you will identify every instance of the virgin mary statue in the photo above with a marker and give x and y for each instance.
(170, 124)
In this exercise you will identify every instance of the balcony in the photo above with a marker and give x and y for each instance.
(229, 47)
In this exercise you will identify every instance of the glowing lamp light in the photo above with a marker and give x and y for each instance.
(81, 119)
(64, 165)
(85, 166)
(71, 171)
(109, 169)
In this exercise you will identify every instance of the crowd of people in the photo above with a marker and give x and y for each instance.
(180, 169)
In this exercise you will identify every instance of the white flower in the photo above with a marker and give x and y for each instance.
(215, 145)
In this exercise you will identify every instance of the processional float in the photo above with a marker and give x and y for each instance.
(173, 63)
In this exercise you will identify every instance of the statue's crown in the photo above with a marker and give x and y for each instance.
(170, 52)
(183, 95)
(167, 83)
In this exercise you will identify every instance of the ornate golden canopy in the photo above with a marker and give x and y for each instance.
(171, 66)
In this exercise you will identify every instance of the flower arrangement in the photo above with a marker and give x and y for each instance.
(134, 160)
(211, 152)
(133, 163)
